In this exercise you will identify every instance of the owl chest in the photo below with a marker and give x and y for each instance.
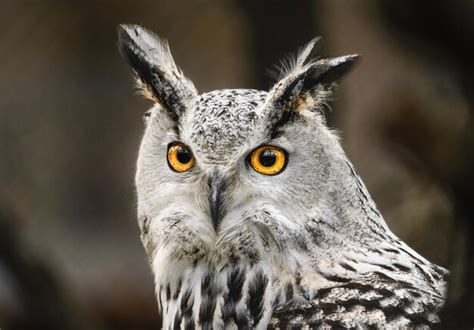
(243, 297)
(231, 297)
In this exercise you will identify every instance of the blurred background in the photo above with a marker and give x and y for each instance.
(70, 126)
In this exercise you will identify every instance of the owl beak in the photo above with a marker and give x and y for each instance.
(217, 186)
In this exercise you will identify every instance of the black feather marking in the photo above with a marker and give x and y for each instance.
(178, 290)
(391, 250)
(177, 321)
(377, 251)
(335, 278)
(257, 296)
(235, 285)
(186, 308)
(347, 267)
(289, 291)
(401, 267)
(383, 266)
(208, 300)
(168, 292)
(328, 307)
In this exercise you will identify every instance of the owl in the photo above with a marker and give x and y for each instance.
(251, 214)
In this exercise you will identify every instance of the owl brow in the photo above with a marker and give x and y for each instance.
(276, 130)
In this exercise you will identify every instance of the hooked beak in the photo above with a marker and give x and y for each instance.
(217, 185)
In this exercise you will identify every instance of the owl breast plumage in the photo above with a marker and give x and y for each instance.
(251, 214)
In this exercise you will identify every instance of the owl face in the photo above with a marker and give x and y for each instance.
(225, 178)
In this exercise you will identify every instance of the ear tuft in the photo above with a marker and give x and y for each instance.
(305, 86)
(158, 76)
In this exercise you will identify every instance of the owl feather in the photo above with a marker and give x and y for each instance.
(158, 77)
(251, 214)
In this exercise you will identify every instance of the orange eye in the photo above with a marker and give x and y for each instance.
(180, 158)
(268, 160)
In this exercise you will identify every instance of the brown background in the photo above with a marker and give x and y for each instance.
(70, 125)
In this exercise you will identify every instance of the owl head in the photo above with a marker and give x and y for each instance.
(256, 177)
(218, 163)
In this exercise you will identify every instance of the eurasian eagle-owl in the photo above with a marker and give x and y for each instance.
(251, 214)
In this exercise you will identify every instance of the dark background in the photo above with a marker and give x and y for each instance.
(70, 125)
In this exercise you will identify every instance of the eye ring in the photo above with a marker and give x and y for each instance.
(268, 160)
(180, 157)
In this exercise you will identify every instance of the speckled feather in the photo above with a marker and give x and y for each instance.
(306, 248)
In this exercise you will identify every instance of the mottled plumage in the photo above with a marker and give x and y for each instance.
(234, 248)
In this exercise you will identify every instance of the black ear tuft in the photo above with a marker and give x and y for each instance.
(159, 77)
(134, 53)
(332, 70)
(136, 56)
(306, 87)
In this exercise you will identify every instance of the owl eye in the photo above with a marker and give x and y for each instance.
(180, 158)
(268, 160)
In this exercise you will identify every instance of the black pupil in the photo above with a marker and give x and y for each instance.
(184, 155)
(267, 158)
